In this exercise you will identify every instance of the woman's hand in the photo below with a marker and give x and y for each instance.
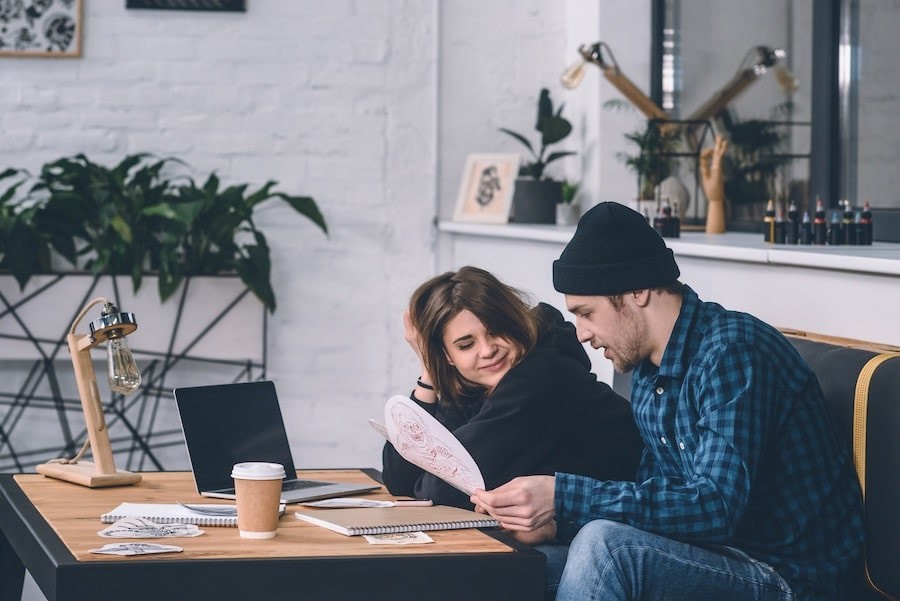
(424, 394)
(411, 335)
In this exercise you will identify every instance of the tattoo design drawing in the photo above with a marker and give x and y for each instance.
(425, 442)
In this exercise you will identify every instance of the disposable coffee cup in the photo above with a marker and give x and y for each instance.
(257, 486)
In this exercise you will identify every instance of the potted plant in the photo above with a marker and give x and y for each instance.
(752, 165)
(537, 194)
(567, 211)
(653, 163)
(141, 216)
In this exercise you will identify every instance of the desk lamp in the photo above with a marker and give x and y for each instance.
(756, 63)
(124, 378)
(594, 54)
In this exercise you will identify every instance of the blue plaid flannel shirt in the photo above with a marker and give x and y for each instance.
(740, 452)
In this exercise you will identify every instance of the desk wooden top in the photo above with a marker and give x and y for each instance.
(74, 511)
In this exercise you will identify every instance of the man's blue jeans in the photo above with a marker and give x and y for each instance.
(608, 560)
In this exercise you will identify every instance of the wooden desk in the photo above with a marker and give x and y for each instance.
(48, 527)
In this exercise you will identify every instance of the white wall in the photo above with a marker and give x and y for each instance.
(336, 100)
(369, 107)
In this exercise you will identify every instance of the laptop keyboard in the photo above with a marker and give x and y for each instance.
(301, 484)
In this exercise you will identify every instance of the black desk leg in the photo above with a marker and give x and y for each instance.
(12, 571)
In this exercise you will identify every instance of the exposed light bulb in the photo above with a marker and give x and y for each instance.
(786, 80)
(573, 75)
(124, 375)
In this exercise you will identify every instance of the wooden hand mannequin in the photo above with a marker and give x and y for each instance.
(713, 181)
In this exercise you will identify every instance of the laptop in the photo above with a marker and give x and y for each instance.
(230, 423)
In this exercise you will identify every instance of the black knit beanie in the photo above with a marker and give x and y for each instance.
(614, 250)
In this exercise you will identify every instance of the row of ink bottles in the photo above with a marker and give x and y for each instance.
(846, 227)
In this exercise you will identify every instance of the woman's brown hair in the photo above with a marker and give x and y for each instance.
(501, 308)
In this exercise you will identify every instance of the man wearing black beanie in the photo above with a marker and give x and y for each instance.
(744, 491)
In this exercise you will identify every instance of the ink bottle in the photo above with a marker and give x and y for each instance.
(859, 230)
(675, 223)
(866, 218)
(769, 222)
(779, 233)
(660, 222)
(847, 224)
(836, 231)
(820, 226)
(805, 229)
(792, 227)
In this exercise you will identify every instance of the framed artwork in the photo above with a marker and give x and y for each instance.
(42, 28)
(486, 190)
(238, 6)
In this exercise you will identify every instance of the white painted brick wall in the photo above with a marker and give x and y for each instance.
(369, 106)
(336, 100)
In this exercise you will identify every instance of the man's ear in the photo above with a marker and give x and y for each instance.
(641, 297)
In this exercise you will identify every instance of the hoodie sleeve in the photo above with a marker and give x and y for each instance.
(559, 334)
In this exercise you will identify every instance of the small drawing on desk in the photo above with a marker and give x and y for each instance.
(135, 527)
(136, 549)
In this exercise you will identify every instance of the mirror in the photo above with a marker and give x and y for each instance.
(746, 67)
(871, 98)
(843, 147)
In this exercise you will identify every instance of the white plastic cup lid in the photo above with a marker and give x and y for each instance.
(257, 470)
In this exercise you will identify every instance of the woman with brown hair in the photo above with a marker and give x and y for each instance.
(513, 383)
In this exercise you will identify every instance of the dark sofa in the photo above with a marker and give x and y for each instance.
(846, 369)
(861, 383)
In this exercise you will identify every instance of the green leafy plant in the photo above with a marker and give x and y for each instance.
(656, 143)
(653, 163)
(553, 128)
(17, 230)
(135, 219)
(756, 154)
(569, 191)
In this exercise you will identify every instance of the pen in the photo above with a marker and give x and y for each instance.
(414, 503)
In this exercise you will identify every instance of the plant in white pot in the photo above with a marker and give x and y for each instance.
(568, 210)
(656, 163)
(537, 194)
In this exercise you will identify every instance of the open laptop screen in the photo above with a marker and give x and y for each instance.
(230, 423)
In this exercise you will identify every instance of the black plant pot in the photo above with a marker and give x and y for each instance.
(534, 201)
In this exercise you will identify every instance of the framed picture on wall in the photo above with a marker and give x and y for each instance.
(486, 190)
(218, 5)
(50, 28)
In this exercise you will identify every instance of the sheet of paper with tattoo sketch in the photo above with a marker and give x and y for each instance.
(425, 442)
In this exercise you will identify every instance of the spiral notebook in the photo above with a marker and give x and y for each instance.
(167, 513)
(390, 520)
